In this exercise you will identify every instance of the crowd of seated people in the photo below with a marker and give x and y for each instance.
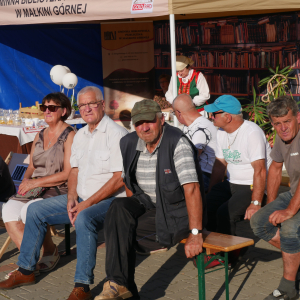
(173, 179)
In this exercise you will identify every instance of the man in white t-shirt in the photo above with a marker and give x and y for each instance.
(200, 131)
(243, 149)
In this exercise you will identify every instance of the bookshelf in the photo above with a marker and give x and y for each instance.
(233, 53)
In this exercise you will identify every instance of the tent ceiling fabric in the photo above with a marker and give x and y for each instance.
(208, 8)
(14, 12)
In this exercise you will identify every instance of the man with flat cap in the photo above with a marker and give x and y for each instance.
(243, 149)
(190, 82)
(163, 180)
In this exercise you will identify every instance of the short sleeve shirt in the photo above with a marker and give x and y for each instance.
(290, 155)
(203, 134)
(240, 148)
(97, 156)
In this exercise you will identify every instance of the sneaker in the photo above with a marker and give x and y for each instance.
(78, 293)
(113, 291)
(164, 249)
(279, 295)
(17, 279)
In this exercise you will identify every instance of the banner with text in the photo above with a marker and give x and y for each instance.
(14, 12)
(128, 66)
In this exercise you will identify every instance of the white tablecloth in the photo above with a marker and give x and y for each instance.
(25, 138)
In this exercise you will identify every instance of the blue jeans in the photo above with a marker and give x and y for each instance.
(54, 211)
(289, 231)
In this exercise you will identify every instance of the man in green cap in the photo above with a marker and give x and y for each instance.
(163, 180)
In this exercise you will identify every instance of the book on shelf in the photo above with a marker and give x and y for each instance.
(226, 84)
(283, 28)
(254, 58)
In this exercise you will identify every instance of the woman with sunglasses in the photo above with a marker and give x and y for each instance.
(49, 168)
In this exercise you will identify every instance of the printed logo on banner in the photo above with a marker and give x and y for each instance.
(142, 6)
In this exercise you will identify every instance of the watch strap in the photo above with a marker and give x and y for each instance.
(199, 231)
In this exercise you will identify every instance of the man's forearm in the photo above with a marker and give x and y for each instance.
(294, 204)
(194, 204)
(108, 189)
(259, 184)
(273, 183)
(217, 174)
(72, 184)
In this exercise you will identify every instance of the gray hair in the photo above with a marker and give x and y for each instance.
(97, 91)
(281, 106)
(235, 116)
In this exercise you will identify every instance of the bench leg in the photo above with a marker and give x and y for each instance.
(67, 239)
(226, 276)
(201, 275)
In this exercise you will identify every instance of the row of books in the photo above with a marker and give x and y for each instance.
(246, 31)
(227, 84)
(236, 58)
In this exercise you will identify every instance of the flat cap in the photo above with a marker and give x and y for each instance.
(144, 110)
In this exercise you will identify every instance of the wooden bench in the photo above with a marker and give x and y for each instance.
(214, 243)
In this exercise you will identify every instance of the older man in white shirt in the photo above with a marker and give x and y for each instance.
(94, 181)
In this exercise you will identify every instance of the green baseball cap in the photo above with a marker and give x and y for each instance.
(144, 110)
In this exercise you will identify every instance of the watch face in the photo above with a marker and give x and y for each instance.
(194, 231)
(256, 202)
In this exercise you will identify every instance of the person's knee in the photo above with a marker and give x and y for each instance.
(255, 222)
(117, 205)
(83, 221)
(290, 229)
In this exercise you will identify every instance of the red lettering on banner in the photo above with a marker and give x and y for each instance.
(138, 7)
(148, 6)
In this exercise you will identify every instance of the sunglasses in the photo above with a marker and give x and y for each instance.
(52, 108)
(216, 113)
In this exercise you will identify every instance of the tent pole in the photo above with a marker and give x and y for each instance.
(173, 60)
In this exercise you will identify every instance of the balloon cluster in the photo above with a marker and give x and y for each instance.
(62, 76)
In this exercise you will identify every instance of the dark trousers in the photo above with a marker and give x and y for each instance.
(120, 237)
(226, 205)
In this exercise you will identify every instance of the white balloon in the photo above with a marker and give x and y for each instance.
(68, 69)
(70, 80)
(57, 73)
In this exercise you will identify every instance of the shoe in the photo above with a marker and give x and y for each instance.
(164, 249)
(50, 261)
(78, 293)
(17, 279)
(279, 295)
(214, 263)
(113, 291)
(36, 273)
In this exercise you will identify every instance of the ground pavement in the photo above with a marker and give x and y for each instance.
(167, 275)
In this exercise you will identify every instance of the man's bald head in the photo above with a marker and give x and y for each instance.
(183, 103)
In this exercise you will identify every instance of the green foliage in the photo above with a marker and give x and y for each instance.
(257, 110)
(74, 103)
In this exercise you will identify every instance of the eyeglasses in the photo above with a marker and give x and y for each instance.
(216, 113)
(173, 112)
(90, 105)
(52, 108)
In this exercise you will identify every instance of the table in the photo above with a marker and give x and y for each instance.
(13, 138)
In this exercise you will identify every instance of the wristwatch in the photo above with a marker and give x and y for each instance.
(256, 202)
(195, 231)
